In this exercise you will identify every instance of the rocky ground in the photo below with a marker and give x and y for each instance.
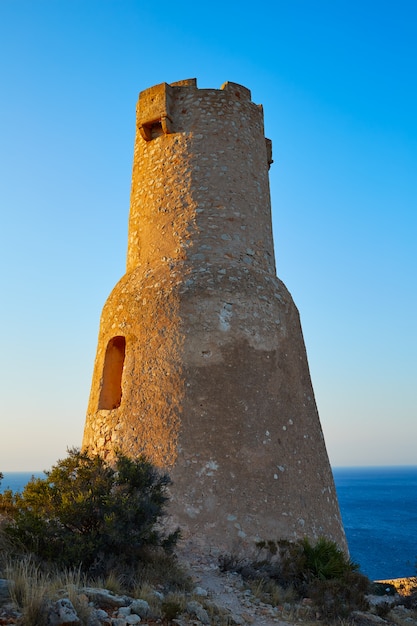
(219, 598)
(229, 592)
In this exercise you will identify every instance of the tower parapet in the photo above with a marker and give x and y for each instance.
(201, 363)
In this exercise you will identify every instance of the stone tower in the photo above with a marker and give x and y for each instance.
(201, 363)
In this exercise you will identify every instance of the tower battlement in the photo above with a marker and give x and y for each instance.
(201, 363)
(159, 107)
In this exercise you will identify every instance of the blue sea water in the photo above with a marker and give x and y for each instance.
(379, 512)
(17, 480)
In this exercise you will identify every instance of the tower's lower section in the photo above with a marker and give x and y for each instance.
(213, 385)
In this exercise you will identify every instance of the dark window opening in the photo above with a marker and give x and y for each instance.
(111, 388)
(151, 130)
(156, 130)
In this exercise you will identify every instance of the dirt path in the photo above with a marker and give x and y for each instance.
(227, 591)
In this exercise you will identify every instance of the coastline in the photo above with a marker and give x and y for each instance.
(403, 586)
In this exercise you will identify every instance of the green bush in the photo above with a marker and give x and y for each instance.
(323, 572)
(320, 571)
(303, 561)
(89, 513)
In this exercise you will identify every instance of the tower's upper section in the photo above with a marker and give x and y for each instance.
(200, 189)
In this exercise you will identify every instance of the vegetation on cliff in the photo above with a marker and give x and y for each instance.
(320, 571)
(90, 514)
(89, 523)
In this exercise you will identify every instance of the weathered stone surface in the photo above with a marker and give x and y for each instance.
(105, 598)
(140, 607)
(123, 611)
(62, 613)
(199, 591)
(367, 619)
(196, 610)
(132, 619)
(99, 617)
(201, 363)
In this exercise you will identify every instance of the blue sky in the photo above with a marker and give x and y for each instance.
(338, 83)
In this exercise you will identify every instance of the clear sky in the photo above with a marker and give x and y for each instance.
(338, 81)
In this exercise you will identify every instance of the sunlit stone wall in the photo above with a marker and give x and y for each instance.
(201, 363)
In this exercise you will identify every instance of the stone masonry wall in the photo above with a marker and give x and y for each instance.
(201, 363)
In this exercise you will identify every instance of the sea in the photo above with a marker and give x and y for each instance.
(379, 512)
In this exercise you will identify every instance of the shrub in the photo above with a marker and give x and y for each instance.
(325, 573)
(320, 571)
(172, 606)
(325, 560)
(89, 513)
(338, 597)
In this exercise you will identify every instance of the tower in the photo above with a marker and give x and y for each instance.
(201, 363)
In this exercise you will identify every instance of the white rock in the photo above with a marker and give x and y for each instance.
(195, 609)
(140, 607)
(199, 591)
(62, 613)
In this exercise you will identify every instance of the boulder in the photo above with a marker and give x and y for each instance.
(140, 607)
(105, 598)
(196, 610)
(62, 613)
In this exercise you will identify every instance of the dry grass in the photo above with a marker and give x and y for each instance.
(217, 615)
(163, 570)
(33, 589)
(173, 605)
(112, 582)
(68, 583)
(30, 590)
(35, 586)
(146, 592)
(268, 591)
